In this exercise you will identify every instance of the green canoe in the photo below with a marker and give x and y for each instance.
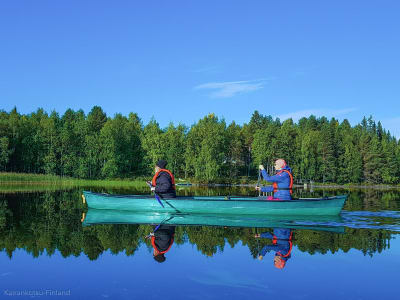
(320, 223)
(232, 205)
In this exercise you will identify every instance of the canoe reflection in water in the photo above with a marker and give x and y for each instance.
(162, 239)
(281, 244)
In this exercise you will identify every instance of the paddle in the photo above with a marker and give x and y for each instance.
(158, 199)
(170, 205)
(158, 226)
(155, 194)
(258, 243)
(258, 182)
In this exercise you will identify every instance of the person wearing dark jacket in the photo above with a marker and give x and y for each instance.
(282, 181)
(281, 244)
(162, 240)
(163, 183)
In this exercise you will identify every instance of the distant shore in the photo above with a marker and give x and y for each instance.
(8, 179)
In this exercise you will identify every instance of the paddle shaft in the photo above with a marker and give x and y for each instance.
(158, 199)
(155, 194)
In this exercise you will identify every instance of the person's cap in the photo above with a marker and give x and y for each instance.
(161, 164)
(159, 258)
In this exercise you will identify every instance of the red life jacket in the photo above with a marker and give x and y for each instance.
(275, 240)
(153, 243)
(275, 185)
(153, 182)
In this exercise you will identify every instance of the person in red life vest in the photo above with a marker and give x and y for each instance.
(163, 183)
(161, 240)
(281, 244)
(282, 181)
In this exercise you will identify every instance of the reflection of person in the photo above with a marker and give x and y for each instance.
(162, 240)
(282, 181)
(281, 243)
(163, 182)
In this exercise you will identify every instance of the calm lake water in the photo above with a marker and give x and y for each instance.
(46, 251)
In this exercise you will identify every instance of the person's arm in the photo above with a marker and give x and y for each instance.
(267, 189)
(163, 183)
(266, 235)
(268, 248)
(274, 178)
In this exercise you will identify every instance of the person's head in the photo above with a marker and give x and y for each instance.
(161, 164)
(280, 164)
(279, 262)
(158, 257)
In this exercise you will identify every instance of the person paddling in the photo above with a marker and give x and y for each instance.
(163, 183)
(282, 181)
(281, 244)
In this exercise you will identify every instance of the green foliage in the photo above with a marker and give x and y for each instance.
(237, 151)
(152, 145)
(96, 147)
(310, 155)
(206, 150)
(173, 146)
(120, 142)
(4, 152)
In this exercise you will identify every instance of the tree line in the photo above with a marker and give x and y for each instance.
(95, 146)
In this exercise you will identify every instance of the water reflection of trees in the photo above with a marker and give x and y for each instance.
(46, 222)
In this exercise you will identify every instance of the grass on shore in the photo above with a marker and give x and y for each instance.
(41, 182)
(12, 179)
(26, 177)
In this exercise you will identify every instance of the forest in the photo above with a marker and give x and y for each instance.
(97, 146)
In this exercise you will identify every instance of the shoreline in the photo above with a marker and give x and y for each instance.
(26, 179)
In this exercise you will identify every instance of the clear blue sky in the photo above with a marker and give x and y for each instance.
(180, 60)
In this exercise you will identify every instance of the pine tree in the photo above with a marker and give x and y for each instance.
(373, 161)
(328, 152)
(310, 158)
(390, 168)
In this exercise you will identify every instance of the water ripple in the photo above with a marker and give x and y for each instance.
(386, 219)
(383, 213)
(383, 220)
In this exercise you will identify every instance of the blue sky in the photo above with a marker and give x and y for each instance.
(180, 60)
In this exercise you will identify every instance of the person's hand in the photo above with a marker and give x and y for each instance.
(261, 167)
(260, 257)
(149, 236)
(153, 188)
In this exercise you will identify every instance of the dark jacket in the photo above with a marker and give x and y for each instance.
(164, 186)
(283, 182)
(282, 244)
(164, 237)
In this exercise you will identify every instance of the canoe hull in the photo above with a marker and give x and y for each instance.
(320, 223)
(217, 205)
